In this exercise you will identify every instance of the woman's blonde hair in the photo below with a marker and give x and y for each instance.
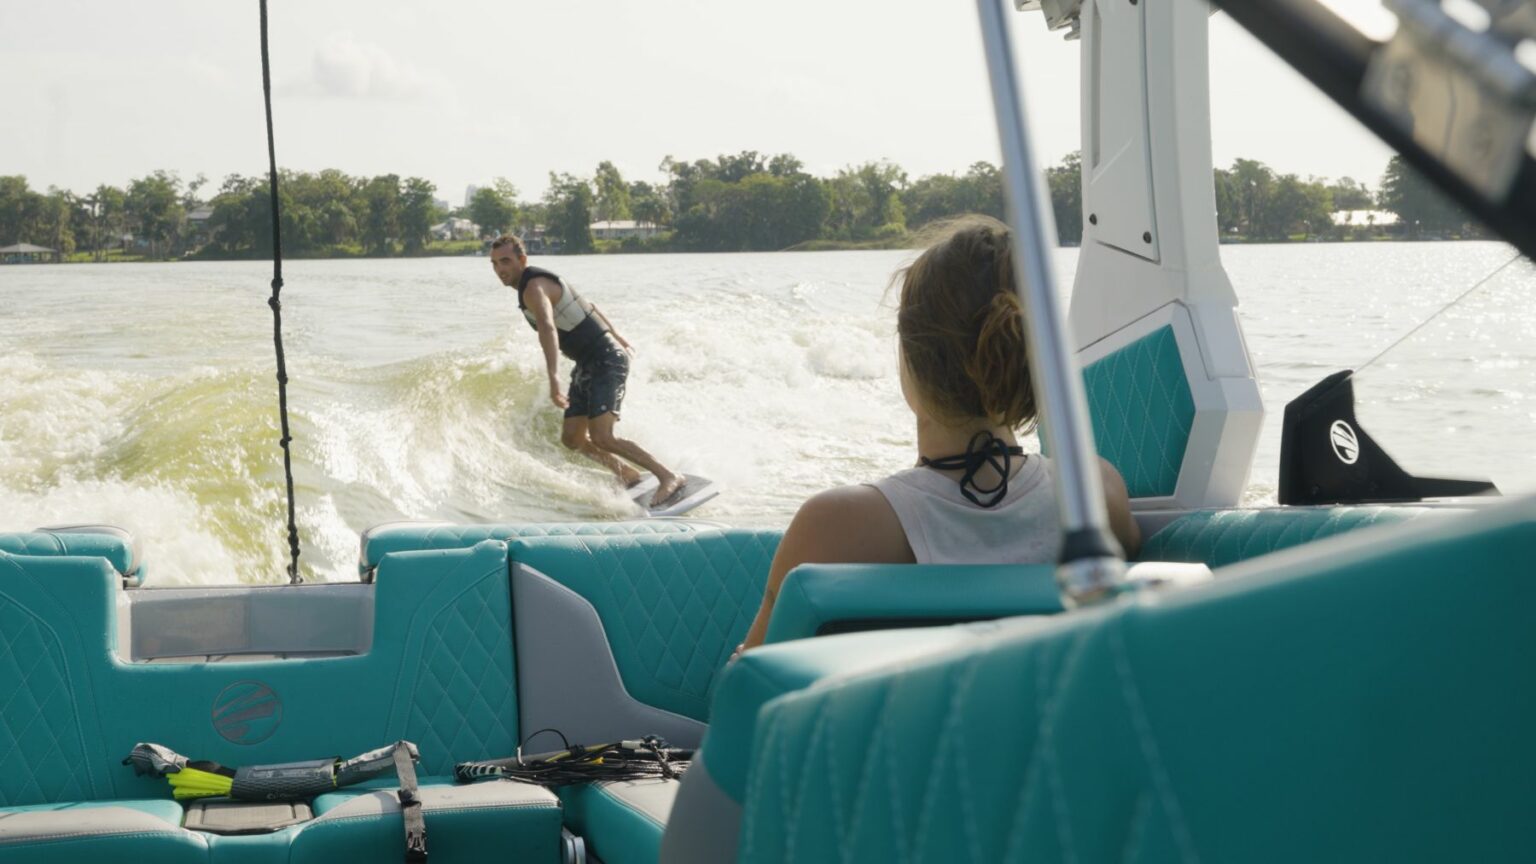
(962, 330)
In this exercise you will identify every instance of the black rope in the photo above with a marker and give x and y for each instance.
(984, 449)
(277, 305)
(640, 759)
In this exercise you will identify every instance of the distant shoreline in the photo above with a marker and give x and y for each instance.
(808, 246)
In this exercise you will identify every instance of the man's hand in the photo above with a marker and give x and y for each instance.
(555, 395)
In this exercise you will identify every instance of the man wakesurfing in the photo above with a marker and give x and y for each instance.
(566, 321)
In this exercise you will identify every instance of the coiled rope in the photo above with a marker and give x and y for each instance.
(277, 305)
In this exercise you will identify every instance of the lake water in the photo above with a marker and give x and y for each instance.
(143, 395)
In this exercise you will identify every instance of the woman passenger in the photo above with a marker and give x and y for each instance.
(974, 496)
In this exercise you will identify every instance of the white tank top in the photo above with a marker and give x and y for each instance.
(944, 528)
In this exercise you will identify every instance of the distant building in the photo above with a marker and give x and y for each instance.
(622, 229)
(455, 229)
(27, 253)
(538, 242)
(1364, 218)
(442, 204)
(469, 193)
(197, 226)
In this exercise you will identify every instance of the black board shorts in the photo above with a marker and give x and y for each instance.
(597, 383)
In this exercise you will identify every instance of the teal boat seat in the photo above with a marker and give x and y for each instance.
(644, 623)
(440, 672)
(380, 540)
(463, 822)
(622, 822)
(703, 824)
(466, 824)
(1363, 698)
(92, 541)
(1217, 538)
(818, 599)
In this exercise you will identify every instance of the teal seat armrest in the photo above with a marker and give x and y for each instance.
(766, 673)
(115, 545)
(389, 537)
(819, 599)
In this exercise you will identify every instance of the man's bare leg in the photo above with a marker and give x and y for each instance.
(574, 435)
(600, 429)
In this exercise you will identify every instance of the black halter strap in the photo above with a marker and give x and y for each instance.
(983, 449)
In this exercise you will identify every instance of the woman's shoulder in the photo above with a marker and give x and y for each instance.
(839, 502)
(849, 523)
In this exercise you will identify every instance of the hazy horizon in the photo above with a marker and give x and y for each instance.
(120, 91)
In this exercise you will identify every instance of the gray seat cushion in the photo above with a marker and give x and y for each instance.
(468, 824)
(98, 831)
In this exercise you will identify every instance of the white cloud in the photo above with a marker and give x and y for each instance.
(345, 68)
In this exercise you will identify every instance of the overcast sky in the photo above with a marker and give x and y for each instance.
(466, 91)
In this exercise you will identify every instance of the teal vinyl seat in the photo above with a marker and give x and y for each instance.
(472, 823)
(645, 622)
(91, 541)
(704, 821)
(622, 822)
(439, 672)
(822, 599)
(382, 539)
(1217, 538)
(1364, 698)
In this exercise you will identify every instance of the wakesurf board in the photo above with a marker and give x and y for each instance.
(696, 491)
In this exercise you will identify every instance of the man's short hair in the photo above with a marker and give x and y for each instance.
(509, 240)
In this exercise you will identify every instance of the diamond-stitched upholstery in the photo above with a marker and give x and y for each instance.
(42, 756)
(46, 543)
(464, 702)
(410, 536)
(1142, 412)
(1359, 702)
(1217, 538)
(673, 605)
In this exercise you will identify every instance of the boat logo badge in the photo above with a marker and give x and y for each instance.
(247, 712)
(1346, 445)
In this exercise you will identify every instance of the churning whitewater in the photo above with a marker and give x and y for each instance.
(142, 395)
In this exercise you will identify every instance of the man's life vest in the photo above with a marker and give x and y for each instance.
(582, 334)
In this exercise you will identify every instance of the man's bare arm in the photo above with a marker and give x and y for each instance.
(536, 297)
(609, 324)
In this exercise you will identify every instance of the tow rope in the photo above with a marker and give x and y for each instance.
(291, 781)
(277, 305)
(634, 759)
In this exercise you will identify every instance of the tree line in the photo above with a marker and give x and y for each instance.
(739, 202)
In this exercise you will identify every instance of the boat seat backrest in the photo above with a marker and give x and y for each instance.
(1217, 538)
(822, 599)
(1292, 711)
(705, 819)
(644, 621)
(115, 545)
(440, 672)
(382, 539)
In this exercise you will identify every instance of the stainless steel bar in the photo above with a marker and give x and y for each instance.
(1090, 568)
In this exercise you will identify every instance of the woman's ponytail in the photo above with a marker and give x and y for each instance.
(962, 329)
